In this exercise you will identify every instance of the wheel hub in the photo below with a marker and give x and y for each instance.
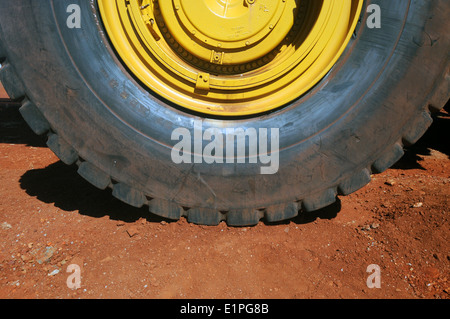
(244, 29)
(230, 57)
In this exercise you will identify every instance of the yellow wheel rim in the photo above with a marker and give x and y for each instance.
(230, 57)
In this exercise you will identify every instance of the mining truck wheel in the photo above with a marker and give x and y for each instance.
(227, 110)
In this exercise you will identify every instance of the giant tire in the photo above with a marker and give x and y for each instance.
(375, 101)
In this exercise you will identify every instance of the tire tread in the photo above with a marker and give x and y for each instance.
(209, 216)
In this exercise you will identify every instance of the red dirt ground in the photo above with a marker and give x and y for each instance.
(3, 94)
(51, 218)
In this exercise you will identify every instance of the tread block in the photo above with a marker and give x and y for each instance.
(64, 151)
(2, 51)
(244, 217)
(388, 158)
(440, 96)
(355, 182)
(165, 209)
(418, 129)
(204, 216)
(319, 201)
(281, 212)
(94, 175)
(10, 81)
(129, 195)
(34, 118)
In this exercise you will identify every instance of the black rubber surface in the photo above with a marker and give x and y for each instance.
(375, 101)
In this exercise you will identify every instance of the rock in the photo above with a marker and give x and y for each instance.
(390, 182)
(25, 258)
(54, 272)
(417, 205)
(106, 259)
(132, 231)
(46, 255)
(5, 225)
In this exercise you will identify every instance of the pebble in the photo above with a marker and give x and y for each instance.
(106, 259)
(54, 272)
(132, 231)
(46, 255)
(369, 227)
(5, 225)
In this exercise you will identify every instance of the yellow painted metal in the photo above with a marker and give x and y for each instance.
(228, 28)
(230, 57)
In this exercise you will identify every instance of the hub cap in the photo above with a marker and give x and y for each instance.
(230, 57)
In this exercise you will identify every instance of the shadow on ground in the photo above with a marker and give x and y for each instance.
(13, 129)
(436, 138)
(60, 184)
